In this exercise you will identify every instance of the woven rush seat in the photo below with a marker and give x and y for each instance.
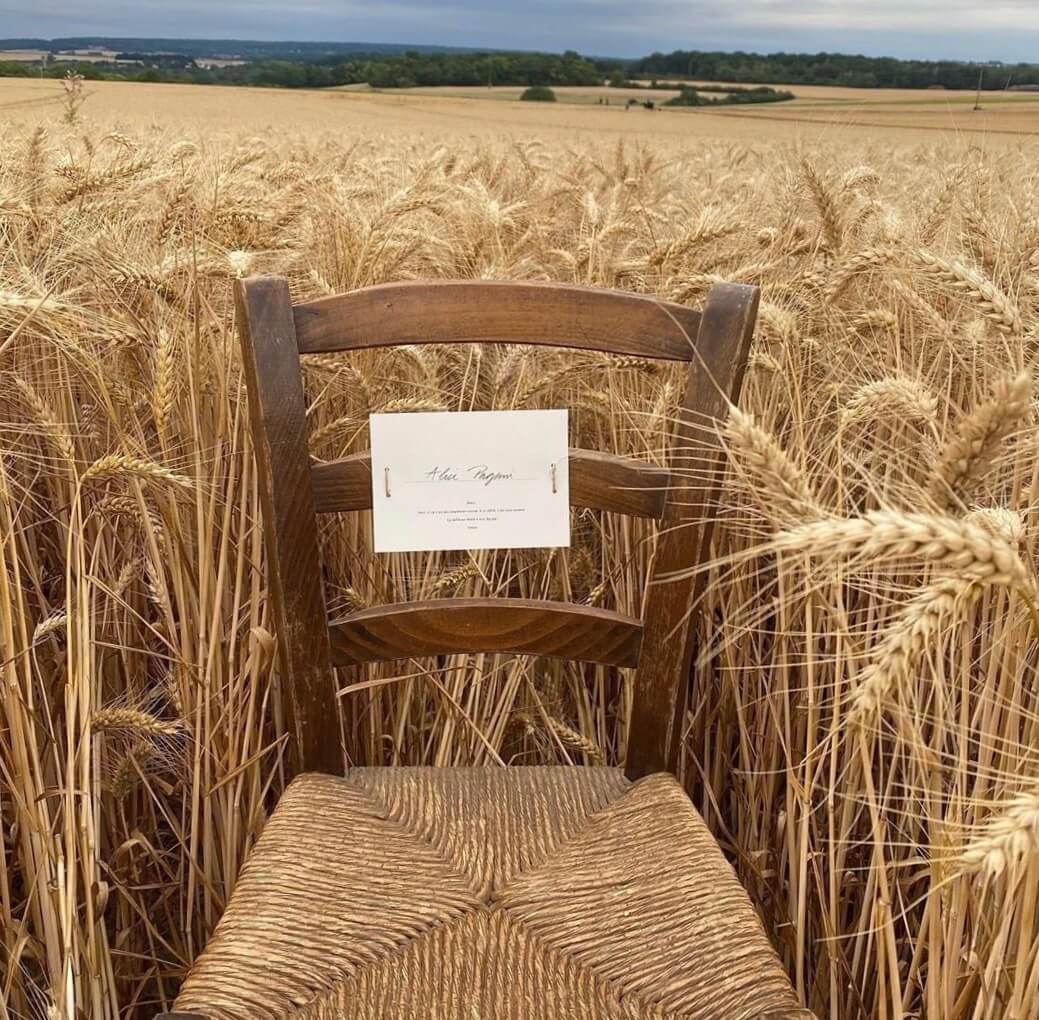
(486, 893)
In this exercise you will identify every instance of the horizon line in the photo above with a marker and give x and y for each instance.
(503, 49)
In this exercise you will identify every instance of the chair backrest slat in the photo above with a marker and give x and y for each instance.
(273, 333)
(600, 481)
(456, 626)
(489, 311)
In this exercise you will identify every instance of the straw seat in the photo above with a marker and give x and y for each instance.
(454, 894)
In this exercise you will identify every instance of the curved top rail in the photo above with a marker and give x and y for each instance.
(490, 311)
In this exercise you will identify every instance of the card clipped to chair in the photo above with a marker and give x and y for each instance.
(470, 480)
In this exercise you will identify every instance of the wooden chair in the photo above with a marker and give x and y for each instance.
(453, 894)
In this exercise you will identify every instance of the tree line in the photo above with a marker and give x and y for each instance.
(406, 70)
(413, 67)
(831, 69)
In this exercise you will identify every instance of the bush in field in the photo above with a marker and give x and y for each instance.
(688, 97)
(691, 96)
(538, 94)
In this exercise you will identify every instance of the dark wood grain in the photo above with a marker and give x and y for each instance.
(343, 485)
(279, 433)
(602, 481)
(523, 626)
(661, 682)
(469, 311)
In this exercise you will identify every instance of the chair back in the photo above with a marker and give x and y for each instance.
(714, 341)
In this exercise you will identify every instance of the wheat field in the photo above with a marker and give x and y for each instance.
(863, 737)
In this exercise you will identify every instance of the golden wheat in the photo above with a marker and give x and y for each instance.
(875, 563)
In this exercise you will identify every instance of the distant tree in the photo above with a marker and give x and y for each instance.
(687, 97)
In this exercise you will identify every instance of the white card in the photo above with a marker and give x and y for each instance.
(470, 480)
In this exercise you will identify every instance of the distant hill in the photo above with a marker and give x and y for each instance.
(244, 49)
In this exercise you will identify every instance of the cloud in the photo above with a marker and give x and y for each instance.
(966, 29)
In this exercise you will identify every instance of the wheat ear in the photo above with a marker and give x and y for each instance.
(451, 580)
(897, 654)
(971, 450)
(116, 465)
(779, 484)
(892, 395)
(45, 417)
(135, 720)
(825, 203)
(861, 262)
(993, 304)
(575, 740)
(1007, 840)
(164, 380)
(948, 543)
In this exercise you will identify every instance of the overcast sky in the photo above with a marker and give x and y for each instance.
(962, 29)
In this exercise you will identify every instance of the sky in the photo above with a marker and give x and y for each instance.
(1005, 30)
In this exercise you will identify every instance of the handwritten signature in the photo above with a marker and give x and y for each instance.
(477, 473)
